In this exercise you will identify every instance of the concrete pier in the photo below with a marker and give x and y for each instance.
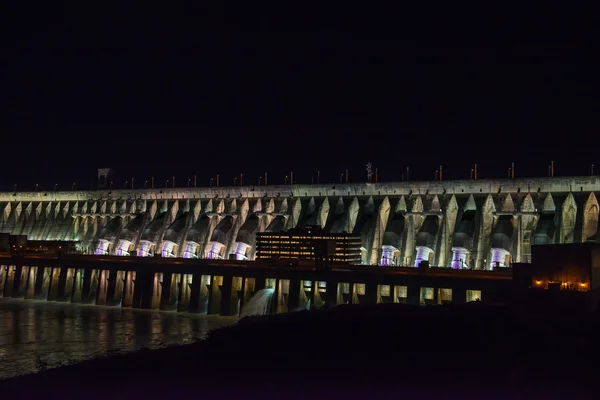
(224, 287)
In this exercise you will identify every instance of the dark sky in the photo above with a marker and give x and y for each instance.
(187, 90)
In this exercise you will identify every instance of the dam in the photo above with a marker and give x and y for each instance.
(228, 287)
(472, 224)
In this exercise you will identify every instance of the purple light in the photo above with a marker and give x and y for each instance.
(459, 256)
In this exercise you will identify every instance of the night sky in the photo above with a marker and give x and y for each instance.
(189, 91)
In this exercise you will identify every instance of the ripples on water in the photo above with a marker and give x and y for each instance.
(36, 335)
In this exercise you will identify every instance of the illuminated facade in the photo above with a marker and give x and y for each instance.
(479, 224)
(300, 244)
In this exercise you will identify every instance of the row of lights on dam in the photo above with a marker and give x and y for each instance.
(238, 180)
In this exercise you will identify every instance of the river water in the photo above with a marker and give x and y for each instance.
(36, 335)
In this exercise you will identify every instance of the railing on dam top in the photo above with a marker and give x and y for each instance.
(225, 288)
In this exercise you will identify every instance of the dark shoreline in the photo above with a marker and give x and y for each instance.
(456, 349)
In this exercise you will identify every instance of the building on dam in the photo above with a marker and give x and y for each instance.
(478, 224)
(309, 243)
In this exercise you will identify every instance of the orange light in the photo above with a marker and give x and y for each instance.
(538, 282)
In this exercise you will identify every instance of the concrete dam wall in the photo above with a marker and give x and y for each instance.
(476, 224)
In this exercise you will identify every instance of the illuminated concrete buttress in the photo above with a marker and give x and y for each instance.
(121, 222)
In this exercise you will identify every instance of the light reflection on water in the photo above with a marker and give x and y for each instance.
(34, 335)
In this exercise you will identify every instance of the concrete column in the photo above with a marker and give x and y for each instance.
(111, 288)
(237, 294)
(413, 295)
(101, 295)
(183, 302)
(157, 288)
(41, 283)
(310, 295)
(195, 292)
(275, 298)
(370, 293)
(173, 299)
(17, 289)
(129, 289)
(3, 270)
(89, 287)
(227, 297)
(381, 219)
(249, 285)
(214, 298)
(294, 296)
(259, 283)
(142, 293)
(165, 296)
(78, 286)
(331, 295)
(62, 284)
(70, 284)
(116, 283)
(459, 295)
(10, 280)
(54, 282)
(31, 278)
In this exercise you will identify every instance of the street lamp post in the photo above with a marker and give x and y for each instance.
(145, 184)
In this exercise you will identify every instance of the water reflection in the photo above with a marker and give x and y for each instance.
(34, 335)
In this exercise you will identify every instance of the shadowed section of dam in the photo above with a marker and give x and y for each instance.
(238, 287)
(478, 224)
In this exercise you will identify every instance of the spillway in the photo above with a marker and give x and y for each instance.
(479, 224)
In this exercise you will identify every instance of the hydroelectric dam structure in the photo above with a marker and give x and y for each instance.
(475, 224)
